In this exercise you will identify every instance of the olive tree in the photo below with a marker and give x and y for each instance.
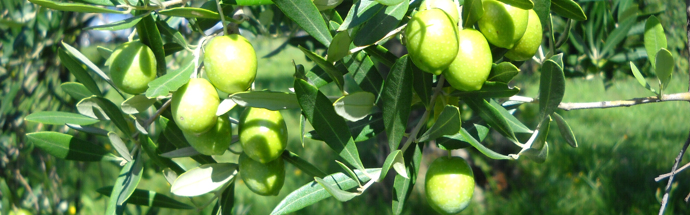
(462, 56)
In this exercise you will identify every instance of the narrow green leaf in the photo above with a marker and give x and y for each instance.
(566, 132)
(225, 106)
(423, 84)
(381, 24)
(338, 194)
(515, 124)
(312, 192)
(543, 132)
(664, 68)
(364, 72)
(168, 31)
(492, 116)
(448, 123)
(551, 88)
(481, 148)
(148, 198)
(75, 7)
(149, 35)
(403, 186)
(360, 12)
(558, 59)
(79, 72)
(170, 82)
(271, 100)
(329, 68)
(522, 4)
(119, 25)
(192, 12)
(153, 152)
(60, 118)
(489, 90)
(119, 146)
(472, 11)
(654, 38)
(568, 9)
(395, 160)
(318, 110)
(227, 200)
(537, 155)
(130, 181)
(204, 179)
(248, 2)
(396, 99)
(302, 164)
(458, 141)
(389, 2)
(84, 60)
(355, 106)
(88, 129)
(307, 16)
(66, 147)
(137, 104)
(503, 72)
(349, 172)
(340, 47)
(77, 90)
(640, 77)
(111, 110)
(126, 183)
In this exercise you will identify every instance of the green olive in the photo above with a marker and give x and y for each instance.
(263, 134)
(262, 178)
(214, 141)
(449, 185)
(431, 40)
(194, 106)
(502, 25)
(472, 65)
(132, 66)
(230, 63)
(528, 45)
(447, 6)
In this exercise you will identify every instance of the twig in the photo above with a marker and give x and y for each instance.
(611, 104)
(664, 200)
(154, 117)
(663, 176)
(425, 116)
(388, 36)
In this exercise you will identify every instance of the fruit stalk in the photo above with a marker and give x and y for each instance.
(425, 116)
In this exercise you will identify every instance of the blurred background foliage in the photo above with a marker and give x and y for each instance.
(620, 151)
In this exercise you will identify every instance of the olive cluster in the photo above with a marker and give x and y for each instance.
(230, 65)
(437, 45)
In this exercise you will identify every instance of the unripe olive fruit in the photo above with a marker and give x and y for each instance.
(230, 63)
(194, 106)
(472, 65)
(447, 6)
(527, 46)
(449, 185)
(431, 40)
(263, 134)
(132, 66)
(214, 141)
(502, 24)
(262, 178)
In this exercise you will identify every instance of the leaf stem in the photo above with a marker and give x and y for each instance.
(425, 116)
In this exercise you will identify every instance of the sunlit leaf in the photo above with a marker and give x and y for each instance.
(119, 25)
(654, 38)
(75, 7)
(381, 24)
(148, 198)
(271, 100)
(60, 118)
(551, 88)
(448, 123)
(312, 192)
(307, 16)
(522, 4)
(204, 179)
(492, 116)
(355, 106)
(568, 9)
(170, 82)
(664, 67)
(137, 104)
(360, 12)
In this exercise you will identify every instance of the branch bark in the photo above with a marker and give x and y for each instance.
(610, 104)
